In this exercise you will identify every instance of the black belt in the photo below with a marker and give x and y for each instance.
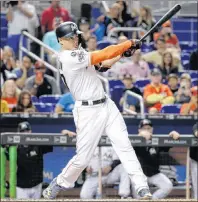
(95, 102)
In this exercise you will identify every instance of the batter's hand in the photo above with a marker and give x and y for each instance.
(68, 132)
(174, 134)
(106, 170)
(136, 45)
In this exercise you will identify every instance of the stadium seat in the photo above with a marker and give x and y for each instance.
(34, 99)
(194, 74)
(142, 83)
(44, 107)
(116, 94)
(151, 65)
(194, 82)
(171, 109)
(53, 99)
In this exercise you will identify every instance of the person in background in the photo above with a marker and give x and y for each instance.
(168, 35)
(173, 82)
(92, 44)
(65, 104)
(50, 39)
(133, 102)
(23, 72)
(4, 108)
(40, 83)
(194, 60)
(156, 57)
(24, 103)
(137, 67)
(189, 108)
(144, 21)
(10, 93)
(29, 167)
(167, 67)
(84, 26)
(21, 15)
(157, 94)
(193, 161)
(48, 15)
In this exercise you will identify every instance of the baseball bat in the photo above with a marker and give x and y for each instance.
(162, 20)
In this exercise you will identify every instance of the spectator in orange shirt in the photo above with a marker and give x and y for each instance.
(10, 93)
(156, 94)
(55, 10)
(192, 106)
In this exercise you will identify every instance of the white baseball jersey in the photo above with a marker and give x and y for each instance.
(81, 78)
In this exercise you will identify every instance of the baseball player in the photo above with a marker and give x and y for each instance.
(89, 188)
(95, 114)
(193, 161)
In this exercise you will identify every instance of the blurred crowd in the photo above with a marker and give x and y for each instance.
(157, 75)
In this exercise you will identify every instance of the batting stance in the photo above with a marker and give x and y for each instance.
(109, 175)
(94, 113)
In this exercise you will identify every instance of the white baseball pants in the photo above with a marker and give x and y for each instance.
(29, 193)
(92, 122)
(163, 184)
(194, 168)
(118, 174)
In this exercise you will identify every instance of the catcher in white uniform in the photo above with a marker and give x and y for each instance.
(94, 113)
(109, 175)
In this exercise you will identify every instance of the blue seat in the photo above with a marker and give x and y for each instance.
(103, 44)
(142, 83)
(34, 99)
(151, 65)
(44, 107)
(116, 94)
(53, 99)
(171, 109)
(194, 74)
(194, 82)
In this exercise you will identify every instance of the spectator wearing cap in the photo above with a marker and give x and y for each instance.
(29, 167)
(168, 35)
(156, 57)
(23, 72)
(157, 94)
(21, 15)
(191, 107)
(10, 93)
(40, 83)
(50, 39)
(173, 83)
(92, 44)
(133, 103)
(194, 60)
(65, 104)
(137, 67)
(48, 15)
(167, 67)
(24, 103)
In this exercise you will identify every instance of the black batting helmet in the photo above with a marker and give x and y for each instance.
(145, 122)
(24, 126)
(67, 30)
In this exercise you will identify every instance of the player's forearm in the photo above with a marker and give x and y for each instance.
(110, 62)
(110, 52)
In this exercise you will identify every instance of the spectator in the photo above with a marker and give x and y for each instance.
(193, 161)
(24, 103)
(65, 104)
(48, 15)
(91, 44)
(84, 26)
(132, 102)
(156, 56)
(167, 33)
(189, 108)
(10, 93)
(23, 72)
(194, 60)
(173, 83)
(8, 62)
(4, 108)
(50, 39)
(40, 83)
(21, 16)
(167, 67)
(137, 67)
(144, 21)
(29, 167)
(185, 77)
(156, 94)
